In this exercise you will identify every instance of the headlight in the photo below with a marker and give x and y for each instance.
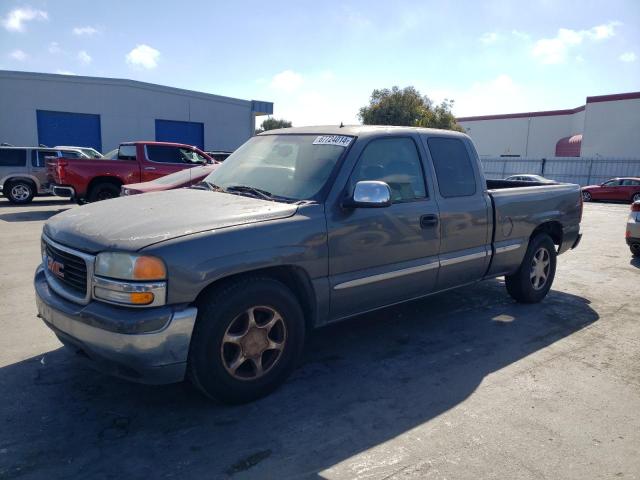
(130, 279)
(126, 266)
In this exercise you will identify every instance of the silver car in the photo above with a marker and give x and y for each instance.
(23, 170)
(633, 229)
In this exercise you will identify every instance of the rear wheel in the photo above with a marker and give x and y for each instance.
(635, 249)
(636, 197)
(586, 196)
(248, 338)
(20, 191)
(532, 281)
(103, 191)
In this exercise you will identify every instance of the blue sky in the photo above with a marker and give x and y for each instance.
(319, 61)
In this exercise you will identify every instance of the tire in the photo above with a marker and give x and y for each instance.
(635, 249)
(19, 192)
(103, 191)
(586, 196)
(215, 364)
(636, 197)
(523, 286)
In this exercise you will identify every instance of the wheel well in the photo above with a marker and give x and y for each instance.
(9, 181)
(94, 181)
(294, 278)
(553, 229)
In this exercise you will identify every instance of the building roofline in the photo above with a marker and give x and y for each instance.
(550, 113)
(123, 82)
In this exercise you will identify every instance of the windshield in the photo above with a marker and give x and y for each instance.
(291, 166)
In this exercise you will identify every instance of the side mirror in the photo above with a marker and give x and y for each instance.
(369, 194)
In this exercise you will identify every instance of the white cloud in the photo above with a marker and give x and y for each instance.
(64, 72)
(16, 19)
(488, 38)
(556, 50)
(287, 80)
(19, 55)
(54, 48)
(143, 56)
(521, 35)
(500, 94)
(628, 57)
(84, 57)
(88, 30)
(327, 75)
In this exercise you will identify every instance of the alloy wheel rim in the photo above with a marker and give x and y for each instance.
(253, 343)
(20, 192)
(586, 196)
(636, 197)
(540, 266)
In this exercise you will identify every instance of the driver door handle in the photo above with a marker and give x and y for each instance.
(429, 220)
(149, 168)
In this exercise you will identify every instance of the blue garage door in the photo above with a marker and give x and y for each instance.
(191, 133)
(70, 129)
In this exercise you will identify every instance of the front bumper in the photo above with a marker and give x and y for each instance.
(143, 345)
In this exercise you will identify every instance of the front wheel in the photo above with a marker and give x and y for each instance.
(586, 196)
(532, 281)
(248, 338)
(20, 192)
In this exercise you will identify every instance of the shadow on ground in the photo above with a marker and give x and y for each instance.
(363, 382)
(30, 216)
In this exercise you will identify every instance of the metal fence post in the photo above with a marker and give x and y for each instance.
(590, 168)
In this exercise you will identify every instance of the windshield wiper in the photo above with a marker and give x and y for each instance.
(256, 192)
(204, 185)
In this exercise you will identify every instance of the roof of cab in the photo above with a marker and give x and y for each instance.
(360, 130)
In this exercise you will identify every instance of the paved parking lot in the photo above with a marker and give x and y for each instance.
(466, 384)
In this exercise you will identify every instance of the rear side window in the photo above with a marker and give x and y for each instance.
(13, 157)
(631, 183)
(396, 162)
(127, 152)
(70, 154)
(454, 170)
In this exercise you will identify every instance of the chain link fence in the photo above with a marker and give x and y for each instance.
(580, 170)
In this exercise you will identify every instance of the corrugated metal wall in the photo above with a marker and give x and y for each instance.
(580, 170)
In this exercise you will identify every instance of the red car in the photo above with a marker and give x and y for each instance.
(93, 179)
(621, 189)
(183, 178)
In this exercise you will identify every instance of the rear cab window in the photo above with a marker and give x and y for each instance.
(455, 174)
(172, 154)
(13, 157)
(127, 152)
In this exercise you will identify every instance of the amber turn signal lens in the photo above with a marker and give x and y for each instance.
(149, 268)
(141, 298)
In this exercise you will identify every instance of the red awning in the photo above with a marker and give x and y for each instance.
(569, 146)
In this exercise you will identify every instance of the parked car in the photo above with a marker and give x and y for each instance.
(88, 151)
(620, 189)
(219, 156)
(529, 178)
(301, 227)
(23, 172)
(100, 179)
(181, 179)
(632, 234)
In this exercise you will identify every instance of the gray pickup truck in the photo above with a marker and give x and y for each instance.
(298, 228)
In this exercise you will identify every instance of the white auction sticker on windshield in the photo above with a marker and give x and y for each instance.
(339, 140)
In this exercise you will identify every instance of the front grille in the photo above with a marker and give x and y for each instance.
(74, 269)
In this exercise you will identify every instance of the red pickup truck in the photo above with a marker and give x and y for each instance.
(99, 179)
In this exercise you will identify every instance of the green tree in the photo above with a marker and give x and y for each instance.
(407, 107)
(272, 124)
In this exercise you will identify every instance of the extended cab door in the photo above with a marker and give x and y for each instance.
(379, 256)
(161, 160)
(465, 208)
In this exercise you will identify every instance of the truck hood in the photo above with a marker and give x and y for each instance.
(132, 223)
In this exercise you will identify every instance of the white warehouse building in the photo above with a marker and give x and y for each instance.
(50, 109)
(606, 126)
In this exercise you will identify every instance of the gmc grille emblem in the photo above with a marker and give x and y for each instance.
(55, 267)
